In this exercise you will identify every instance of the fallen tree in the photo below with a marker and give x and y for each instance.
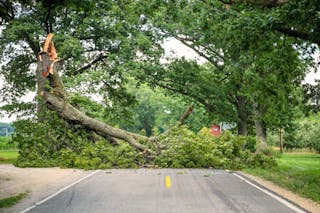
(51, 88)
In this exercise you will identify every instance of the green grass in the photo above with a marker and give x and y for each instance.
(6, 143)
(10, 201)
(299, 173)
(8, 156)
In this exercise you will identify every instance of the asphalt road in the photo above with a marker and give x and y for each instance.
(162, 190)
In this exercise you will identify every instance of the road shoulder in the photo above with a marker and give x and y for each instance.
(307, 204)
(37, 182)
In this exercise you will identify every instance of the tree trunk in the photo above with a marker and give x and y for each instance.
(242, 116)
(43, 63)
(186, 114)
(281, 139)
(261, 131)
(70, 113)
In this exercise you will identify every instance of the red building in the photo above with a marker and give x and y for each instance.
(216, 131)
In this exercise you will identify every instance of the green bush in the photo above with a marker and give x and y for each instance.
(47, 145)
(251, 144)
(190, 150)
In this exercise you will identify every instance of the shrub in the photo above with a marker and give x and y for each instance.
(64, 145)
(251, 144)
(190, 150)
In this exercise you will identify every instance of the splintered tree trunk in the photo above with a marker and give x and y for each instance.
(67, 111)
(54, 95)
(43, 63)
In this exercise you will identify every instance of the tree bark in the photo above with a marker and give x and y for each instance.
(242, 116)
(261, 131)
(186, 114)
(70, 113)
(281, 139)
(43, 63)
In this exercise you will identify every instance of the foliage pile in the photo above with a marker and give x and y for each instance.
(72, 146)
(69, 146)
(189, 150)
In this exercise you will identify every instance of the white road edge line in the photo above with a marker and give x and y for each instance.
(281, 200)
(58, 192)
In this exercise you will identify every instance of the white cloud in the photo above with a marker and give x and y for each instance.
(175, 49)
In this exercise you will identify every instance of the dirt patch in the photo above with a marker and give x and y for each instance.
(308, 204)
(38, 182)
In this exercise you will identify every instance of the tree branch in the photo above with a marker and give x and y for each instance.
(263, 3)
(47, 22)
(297, 34)
(182, 119)
(194, 97)
(33, 45)
(67, 111)
(186, 114)
(201, 53)
(84, 68)
(6, 11)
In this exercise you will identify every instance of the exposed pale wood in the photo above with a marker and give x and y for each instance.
(47, 42)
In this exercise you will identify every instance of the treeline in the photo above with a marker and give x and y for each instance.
(304, 134)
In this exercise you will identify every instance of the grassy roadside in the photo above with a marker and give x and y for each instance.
(10, 201)
(8, 156)
(299, 173)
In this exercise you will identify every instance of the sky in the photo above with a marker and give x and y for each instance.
(173, 48)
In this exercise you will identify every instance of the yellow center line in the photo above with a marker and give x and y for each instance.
(168, 182)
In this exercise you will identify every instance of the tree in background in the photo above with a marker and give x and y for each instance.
(256, 71)
(312, 97)
(156, 111)
(304, 134)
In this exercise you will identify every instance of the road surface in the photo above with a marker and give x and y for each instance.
(162, 190)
